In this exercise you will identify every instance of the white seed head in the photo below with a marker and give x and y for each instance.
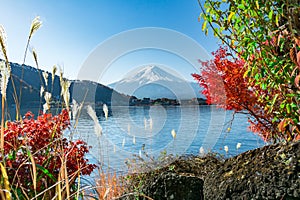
(201, 151)
(47, 97)
(35, 25)
(2, 33)
(105, 110)
(75, 108)
(173, 133)
(65, 85)
(98, 129)
(46, 107)
(5, 74)
(42, 91)
(45, 76)
(35, 56)
(92, 113)
(3, 41)
(226, 149)
(133, 140)
(54, 69)
(238, 145)
(61, 73)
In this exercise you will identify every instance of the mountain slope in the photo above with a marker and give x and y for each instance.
(156, 82)
(32, 81)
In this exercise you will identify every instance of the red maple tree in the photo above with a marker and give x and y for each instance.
(225, 84)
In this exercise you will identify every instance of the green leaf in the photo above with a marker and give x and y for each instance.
(45, 171)
(294, 105)
(270, 15)
(241, 6)
(257, 77)
(264, 86)
(288, 108)
(12, 155)
(274, 100)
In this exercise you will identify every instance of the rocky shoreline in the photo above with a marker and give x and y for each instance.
(270, 172)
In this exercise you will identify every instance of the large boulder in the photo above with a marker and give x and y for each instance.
(181, 179)
(270, 172)
(172, 186)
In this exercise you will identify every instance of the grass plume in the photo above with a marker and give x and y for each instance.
(97, 126)
(45, 76)
(3, 42)
(105, 110)
(5, 71)
(65, 85)
(5, 74)
(173, 133)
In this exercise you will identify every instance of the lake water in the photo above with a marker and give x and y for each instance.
(138, 130)
(147, 130)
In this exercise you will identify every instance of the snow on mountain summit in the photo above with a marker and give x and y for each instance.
(150, 74)
(156, 82)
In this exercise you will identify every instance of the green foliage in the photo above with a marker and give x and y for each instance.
(265, 34)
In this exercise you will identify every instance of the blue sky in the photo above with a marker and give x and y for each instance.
(73, 29)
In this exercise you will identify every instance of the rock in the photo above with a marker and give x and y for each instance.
(270, 172)
(170, 185)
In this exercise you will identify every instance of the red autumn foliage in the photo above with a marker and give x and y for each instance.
(43, 138)
(223, 82)
(225, 85)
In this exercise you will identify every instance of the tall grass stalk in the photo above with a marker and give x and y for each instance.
(54, 69)
(65, 85)
(6, 182)
(33, 173)
(4, 52)
(35, 25)
(5, 73)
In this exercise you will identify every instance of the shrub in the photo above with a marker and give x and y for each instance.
(37, 156)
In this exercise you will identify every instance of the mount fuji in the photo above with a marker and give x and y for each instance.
(157, 82)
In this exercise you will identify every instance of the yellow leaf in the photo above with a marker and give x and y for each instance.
(232, 42)
(257, 5)
(204, 25)
(230, 16)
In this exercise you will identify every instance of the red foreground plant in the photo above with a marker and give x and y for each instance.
(42, 139)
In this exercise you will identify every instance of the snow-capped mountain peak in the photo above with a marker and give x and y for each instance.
(156, 82)
(150, 74)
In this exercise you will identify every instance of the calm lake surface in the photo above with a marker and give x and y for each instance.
(138, 130)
